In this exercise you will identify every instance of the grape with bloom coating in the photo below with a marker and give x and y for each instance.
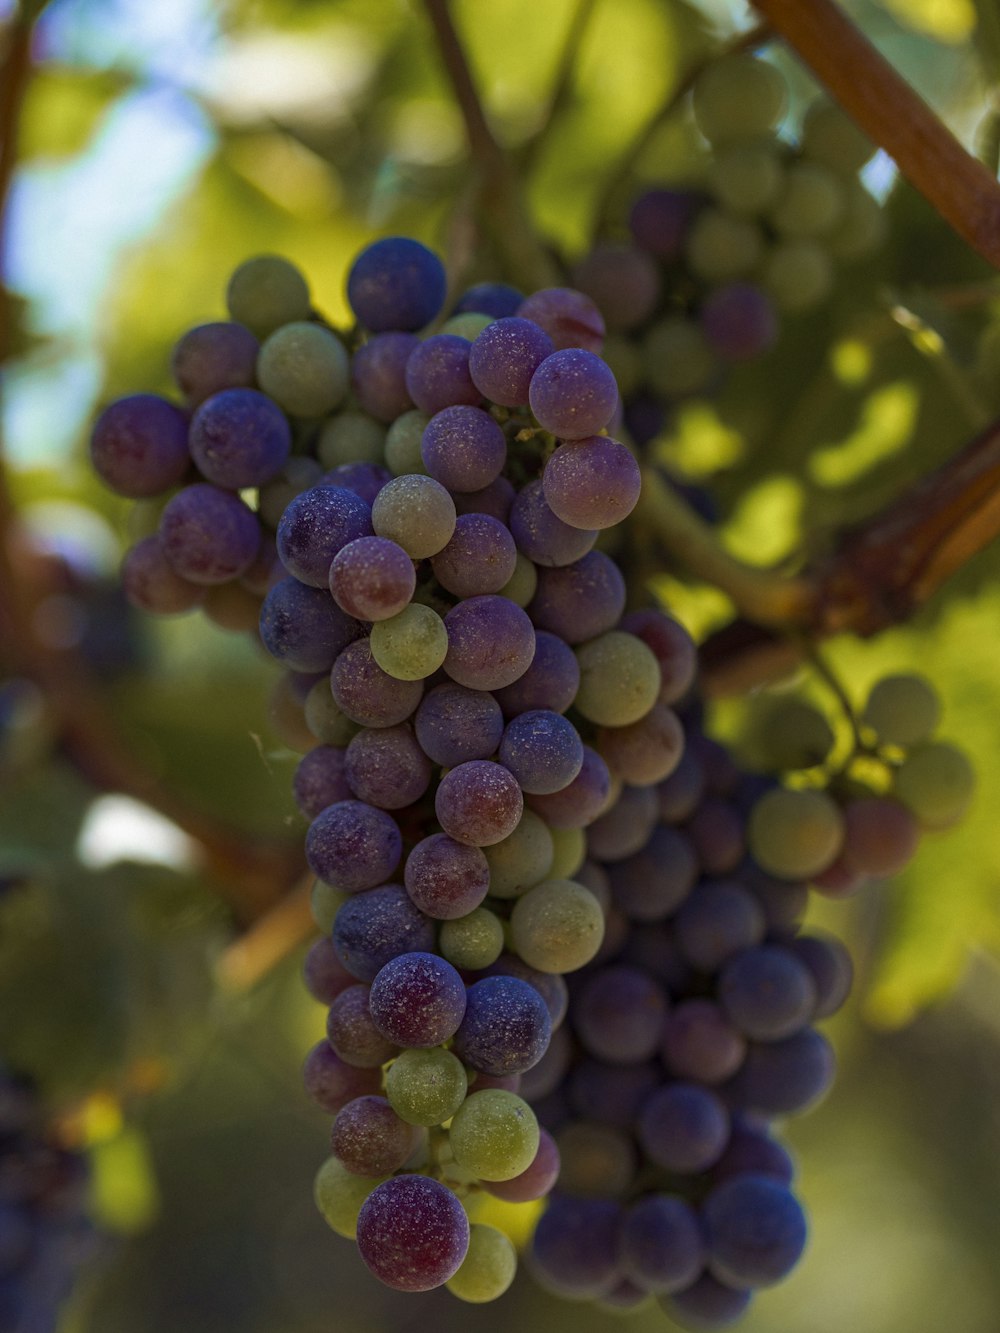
(592, 483)
(426, 1087)
(494, 1134)
(372, 578)
(557, 926)
(304, 368)
(410, 645)
(417, 513)
(478, 803)
(472, 942)
(417, 999)
(396, 283)
(619, 679)
(488, 1268)
(573, 394)
(412, 1233)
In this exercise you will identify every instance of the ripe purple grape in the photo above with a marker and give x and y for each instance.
(412, 1233)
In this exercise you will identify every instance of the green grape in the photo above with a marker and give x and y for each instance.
(415, 512)
(522, 859)
(494, 1134)
(469, 325)
(596, 1160)
(793, 734)
(738, 97)
(624, 360)
(797, 274)
(832, 138)
(903, 709)
(746, 178)
(402, 444)
(795, 834)
(619, 679)
(677, 358)
(339, 1195)
(557, 926)
(520, 587)
(426, 1087)
(296, 476)
(721, 247)
(862, 228)
(324, 719)
(350, 437)
(266, 292)
(472, 941)
(305, 369)
(325, 902)
(811, 202)
(570, 848)
(935, 781)
(410, 645)
(488, 1268)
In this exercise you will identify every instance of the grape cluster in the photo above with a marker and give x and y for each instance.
(708, 272)
(46, 1237)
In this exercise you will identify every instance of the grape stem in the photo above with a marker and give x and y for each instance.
(269, 940)
(954, 182)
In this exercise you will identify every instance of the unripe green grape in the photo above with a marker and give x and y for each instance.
(324, 719)
(305, 369)
(570, 852)
(746, 178)
(426, 1087)
(596, 1160)
(339, 1195)
(862, 228)
(830, 136)
(795, 834)
(410, 645)
(350, 437)
(903, 709)
(935, 781)
(494, 1134)
(469, 325)
(738, 97)
(619, 679)
(325, 902)
(488, 1268)
(522, 859)
(522, 584)
(474, 941)
(557, 926)
(810, 204)
(402, 444)
(798, 275)
(721, 246)
(417, 513)
(793, 734)
(266, 292)
(677, 357)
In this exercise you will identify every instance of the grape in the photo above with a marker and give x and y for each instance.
(551, 681)
(542, 750)
(783, 902)
(417, 999)
(369, 1138)
(660, 219)
(317, 525)
(353, 1035)
(540, 535)
(412, 1233)
(212, 357)
(350, 437)
(494, 1135)
(455, 724)
(371, 578)
(478, 803)
(151, 585)
(738, 97)
(625, 827)
(575, 1248)
(340, 1195)
(903, 710)
(446, 879)
(672, 647)
(936, 782)
(582, 801)
(569, 852)
(364, 479)
(746, 178)
(706, 1304)
(784, 1077)
(677, 358)
(378, 377)
(832, 138)
(472, 942)
(463, 448)
(619, 679)
(794, 734)
(536, 1180)
(618, 1015)
(480, 558)
(652, 883)
(683, 1127)
(325, 719)
(624, 283)
(753, 1151)
(767, 992)
(437, 374)
(396, 283)
(353, 846)
(266, 292)
(719, 919)
(581, 600)
(386, 767)
(810, 204)
(372, 928)
(298, 475)
(722, 247)
(795, 834)
(494, 500)
(700, 1043)
(682, 792)
(831, 968)
(332, 1083)
(717, 835)
(838, 880)
(592, 483)
(798, 274)
(410, 645)
(573, 394)
(498, 299)
(557, 926)
(208, 535)
(506, 1028)
(550, 986)
(862, 228)
(505, 356)
(367, 694)
(739, 321)
(522, 859)
(755, 1230)
(324, 975)
(596, 1160)
(488, 1268)
(880, 836)
(645, 752)
(305, 369)
(426, 1087)
(661, 1243)
(417, 513)
(570, 318)
(491, 642)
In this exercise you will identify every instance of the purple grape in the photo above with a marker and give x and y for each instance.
(239, 438)
(151, 584)
(570, 318)
(332, 1083)
(396, 283)
(446, 879)
(385, 766)
(412, 1233)
(320, 780)
(624, 283)
(494, 499)
(212, 357)
(783, 902)
(681, 793)
(579, 803)
(831, 969)
(660, 219)
(755, 1230)
(489, 298)
(654, 949)
(491, 642)
(706, 1304)
(455, 724)
(505, 356)
(592, 483)
(645, 416)
(480, 558)
(367, 694)
(784, 1077)
(315, 526)
(371, 578)
(351, 1032)
(739, 321)
(611, 1094)
(672, 647)
(437, 374)
(463, 448)
(549, 1074)
(536, 1180)
(324, 975)
(353, 846)
(625, 828)
(618, 1015)
(372, 928)
(543, 537)
(573, 394)
(364, 479)
(139, 446)
(209, 536)
(720, 918)
(683, 1127)
(378, 375)
(644, 752)
(752, 1151)
(581, 600)
(369, 1139)
(767, 992)
(543, 750)
(662, 1245)
(575, 1249)
(550, 985)
(303, 628)
(651, 884)
(478, 803)
(717, 831)
(551, 681)
(506, 1027)
(417, 999)
(699, 1042)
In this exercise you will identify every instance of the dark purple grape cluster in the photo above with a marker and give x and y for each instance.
(46, 1236)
